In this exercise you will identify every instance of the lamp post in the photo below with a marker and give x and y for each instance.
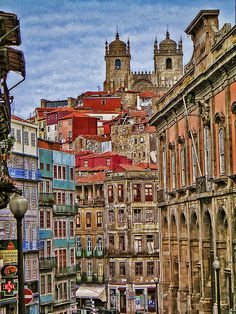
(156, 280)
(18, 206)
(216, 266)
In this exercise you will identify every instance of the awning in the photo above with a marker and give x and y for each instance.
(91, 292)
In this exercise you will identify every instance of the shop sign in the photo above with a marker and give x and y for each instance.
(9, 271)
(8, 251)
(9, 287)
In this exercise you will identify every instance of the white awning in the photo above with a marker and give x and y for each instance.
(91, 292)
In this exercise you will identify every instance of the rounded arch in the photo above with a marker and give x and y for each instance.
(183, 225)
(222, 224)
(143, 85)
(194, 227)
(173, 226)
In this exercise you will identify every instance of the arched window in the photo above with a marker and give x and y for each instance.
(182, 161)
(194, 165)
(173, 169)
(207, 152)
(164, 167)
(221, 150)
(168, 63)
(117, 64)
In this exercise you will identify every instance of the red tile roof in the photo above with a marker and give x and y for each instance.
(147, 95)
(76, 115)
(62, 109)
(127, 167)
(97, 177)
(48, 145)
(98, 168)
(20, 119)
(145, 165)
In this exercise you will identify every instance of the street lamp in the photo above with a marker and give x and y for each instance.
(18, 206)
(216, 266)
(156, 280)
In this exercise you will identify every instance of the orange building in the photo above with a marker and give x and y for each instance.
(196, 135)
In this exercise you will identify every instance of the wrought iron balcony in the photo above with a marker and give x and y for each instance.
(47, 262)
(69, 270)
(65, 209)
(47, 198)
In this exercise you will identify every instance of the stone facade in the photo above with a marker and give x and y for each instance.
(168, 67)
(196, 139)
(132, 243)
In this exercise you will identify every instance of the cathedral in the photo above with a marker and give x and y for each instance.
(168, 67)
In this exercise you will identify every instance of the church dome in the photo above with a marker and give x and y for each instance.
(117, 46)
(167, 44)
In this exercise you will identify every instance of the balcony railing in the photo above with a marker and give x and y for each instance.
(66, 270)
(65, 209)
(47, 198)
(47, 262)
(85, 277)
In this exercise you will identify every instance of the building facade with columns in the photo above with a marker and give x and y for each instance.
(196, 131)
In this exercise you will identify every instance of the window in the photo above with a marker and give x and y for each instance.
(149, 215)
(121, 216)
(64, 229)
(168, 63)
(47, 186)
(70, 134)
(33, 139)
(59, 198)
(221, 151)
(194, 165)
(122, 242)
(59, 123)
(72, 256)
(48, 167)
(59, 172)
(89, 269)
(85, 163)
(41, 166)
(111, 242)
(99, 219)
(150, 243)
(120, 193)
(117, 64)
(60, 229)
(48, 128)
(18, 136)
(112, 269)
(49, 248)
(111, 216)
(99, 245)
(207, 152)
(26, 138)
(164, 167)
(27, 270)
(55, 172)
(88, 219)
(137, 243)
(78, 243)
(110, 193)
(63, 197)
(182, 161)
(141, 139)
(78, 220)
(41, 219)
(56, 228)
(42, 284)
(122, 268)
(138, 268)
(71, 229)
(103, 102)
(71, 174)
(148, 192)
(173, 170)
(137, 192)
(64, 173)
(89, 244)
(137, 215)
(48, 219)
(71, 198)
(108, 162)
(49, 283)
(150, 268)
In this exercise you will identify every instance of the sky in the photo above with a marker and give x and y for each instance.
(63, 40)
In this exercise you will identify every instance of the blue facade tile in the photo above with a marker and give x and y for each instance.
(45, 234)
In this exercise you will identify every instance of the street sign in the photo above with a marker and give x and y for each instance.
(28, 296)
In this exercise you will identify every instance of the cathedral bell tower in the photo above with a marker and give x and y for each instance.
(168, 61)
(117, 57)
